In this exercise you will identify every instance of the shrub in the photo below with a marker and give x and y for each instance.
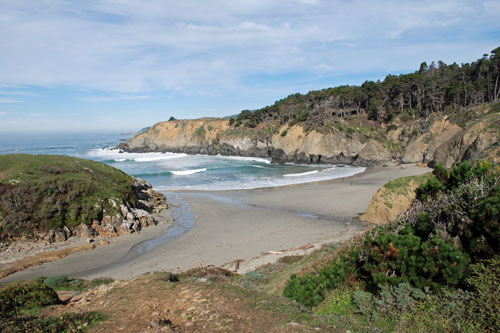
(200, 132)
(392, 127)
(495, 107)
(484, 281)
(171, 118)
(56, 282)
(69, 322)
(14, 299)
(231, 121)
(284, 133)
(465, 204)
(351, 131)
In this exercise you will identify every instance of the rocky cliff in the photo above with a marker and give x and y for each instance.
(440, 138)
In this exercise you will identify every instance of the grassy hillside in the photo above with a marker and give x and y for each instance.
(42, 192)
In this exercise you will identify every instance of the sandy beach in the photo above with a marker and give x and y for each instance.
(253, 227)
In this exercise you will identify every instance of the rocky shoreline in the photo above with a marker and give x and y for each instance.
(128, 220)
(153, 210)
(360, 142)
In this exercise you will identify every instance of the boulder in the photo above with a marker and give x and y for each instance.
(124, 210)
(106, 230)
(83, 230)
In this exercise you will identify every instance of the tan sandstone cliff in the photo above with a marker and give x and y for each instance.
(443, 142)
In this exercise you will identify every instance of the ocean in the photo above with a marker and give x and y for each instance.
(171, 171)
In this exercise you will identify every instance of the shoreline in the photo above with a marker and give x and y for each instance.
(253, 227)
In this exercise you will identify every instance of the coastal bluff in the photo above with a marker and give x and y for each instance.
(354, 140)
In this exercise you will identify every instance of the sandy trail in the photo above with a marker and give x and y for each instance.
(239, 225)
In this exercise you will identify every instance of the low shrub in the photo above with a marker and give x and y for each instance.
(454, 223)
(18, 298)
(70, 322)
(392, 127)
(484, 281)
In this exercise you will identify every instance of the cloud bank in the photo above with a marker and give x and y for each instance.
(212, 47)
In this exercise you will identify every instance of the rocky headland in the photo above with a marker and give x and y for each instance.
(51, 206)
(440, 138)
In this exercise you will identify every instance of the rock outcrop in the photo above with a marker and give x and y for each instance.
(436, 140)
(127, 220)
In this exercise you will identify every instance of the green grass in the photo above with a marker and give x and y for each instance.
(401, 185)
(42, 192)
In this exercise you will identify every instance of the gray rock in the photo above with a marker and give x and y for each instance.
(140, 213)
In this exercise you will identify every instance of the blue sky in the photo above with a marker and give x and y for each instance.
(68, 65)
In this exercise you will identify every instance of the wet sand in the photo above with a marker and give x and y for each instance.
(238, 225)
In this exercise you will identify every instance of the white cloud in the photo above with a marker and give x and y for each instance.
(17, 93)
(101, 99)
(37, 115)
(9, 100)
(129, 46)
(3, 113)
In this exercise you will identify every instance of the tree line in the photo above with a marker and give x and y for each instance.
(437, 87)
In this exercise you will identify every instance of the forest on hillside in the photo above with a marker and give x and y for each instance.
(437, 87)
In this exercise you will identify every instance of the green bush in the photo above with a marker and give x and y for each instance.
(495, 107)
(18, 298)
(455, 223)
(392, 127)
(484, 281)
(351, 131)
(299, 119)
(56, 282)
(200, 132)
(464, 203)
(70, 322)
(284, 133)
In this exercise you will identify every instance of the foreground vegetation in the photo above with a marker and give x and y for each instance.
(436, 268)
(21, 303)
(42, 192)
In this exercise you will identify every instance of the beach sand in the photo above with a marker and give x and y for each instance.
(253, 227)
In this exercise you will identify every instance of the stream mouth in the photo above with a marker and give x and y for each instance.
(183, 222)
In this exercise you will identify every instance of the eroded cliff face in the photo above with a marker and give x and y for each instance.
(441, 142)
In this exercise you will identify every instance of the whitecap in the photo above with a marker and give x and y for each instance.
(245, 158)
(187, 172)
(120, 156)
(301, 174)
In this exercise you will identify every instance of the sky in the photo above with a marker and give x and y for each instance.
(121, 65)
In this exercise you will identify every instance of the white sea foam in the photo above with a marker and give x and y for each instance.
(120, 156)
(245, 158)
(301, 174)
(263, 182)
(258, 166)
(187, 172)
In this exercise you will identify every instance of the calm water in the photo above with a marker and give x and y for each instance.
(171, 171)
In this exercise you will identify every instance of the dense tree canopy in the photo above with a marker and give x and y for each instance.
(433, 88)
